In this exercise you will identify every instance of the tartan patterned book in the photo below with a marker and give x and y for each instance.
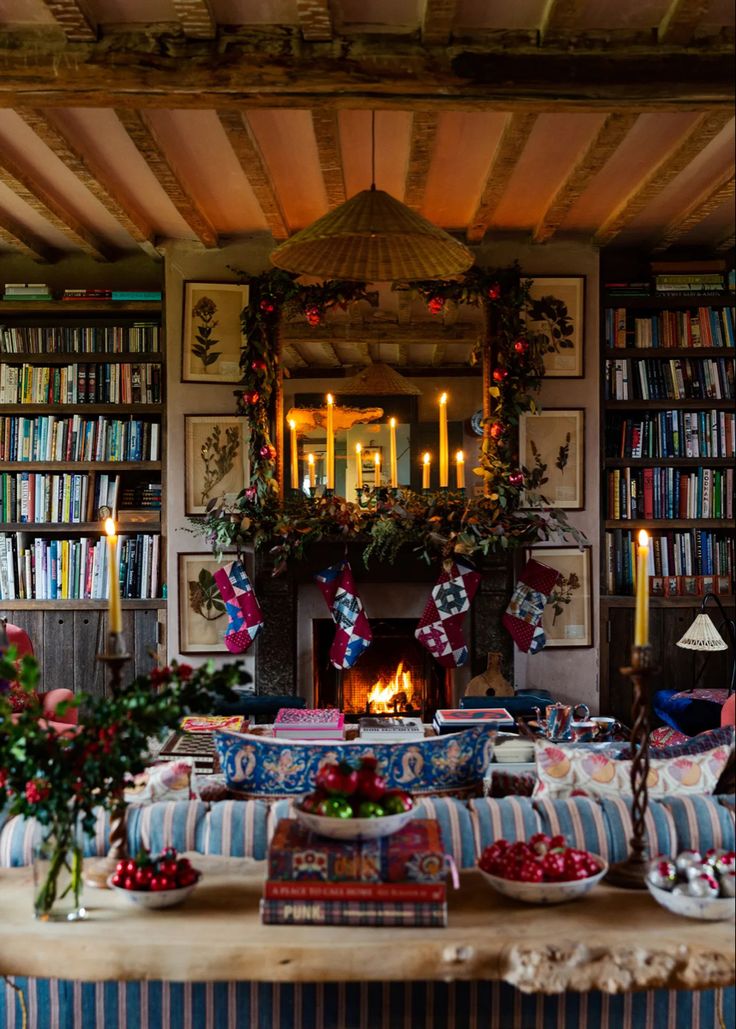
(415, 854)
(352, 912)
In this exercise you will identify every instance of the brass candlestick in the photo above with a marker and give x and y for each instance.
(96, 873)
(631, 873)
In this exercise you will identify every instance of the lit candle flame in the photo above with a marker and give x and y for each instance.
(425, 459)
(110, 527)
(643, 538)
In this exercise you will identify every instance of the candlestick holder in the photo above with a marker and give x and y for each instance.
(329, 491)
(426, 490)
(313, 492)
(631, 873)
(96, 873)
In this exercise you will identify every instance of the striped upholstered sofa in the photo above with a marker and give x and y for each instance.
(243, 829)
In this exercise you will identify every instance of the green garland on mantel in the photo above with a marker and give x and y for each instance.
(441, 523)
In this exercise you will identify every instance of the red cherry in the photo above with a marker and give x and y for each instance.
(183, 864)
(557, 841)
(121, 868)
(143, 877)
(519, 850)
(129, 882)
(155, 883)
(165, 882)
(168, 868)
(130, 867)
(187, 878)
(531, 872)
(117, 879)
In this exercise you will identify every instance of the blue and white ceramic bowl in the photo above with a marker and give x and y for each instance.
(709, 909)
(546, 893)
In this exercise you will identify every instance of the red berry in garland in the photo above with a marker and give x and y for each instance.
(494, 291)
(267, 305)
(499, 374)
(435, 305)
(496, 430)
(516, 479)
(258, 365)
(521, 346)
(313, 315)
(252, 397)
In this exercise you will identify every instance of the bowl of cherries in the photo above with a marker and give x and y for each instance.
(354, 803)
(544, 870)
(154, 882)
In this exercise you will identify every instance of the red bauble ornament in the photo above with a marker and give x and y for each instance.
(258, 365)
(251, 398)
(496, 430)
(494, 291)
(499, 374)
(267, 306)
(267, 451)
(313, 315)
(516, 479)
(435, 305)
(521, 346)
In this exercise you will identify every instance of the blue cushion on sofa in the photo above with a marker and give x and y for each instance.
(260, 766)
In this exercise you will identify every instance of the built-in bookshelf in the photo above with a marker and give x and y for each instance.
(81, 428)
(668, 442)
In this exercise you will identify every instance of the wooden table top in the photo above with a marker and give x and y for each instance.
(612, 940)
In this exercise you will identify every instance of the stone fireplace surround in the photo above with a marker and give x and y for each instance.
(292, 600)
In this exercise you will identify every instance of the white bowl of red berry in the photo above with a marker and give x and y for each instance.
(542, 870)
(154, 882)
(354, 803)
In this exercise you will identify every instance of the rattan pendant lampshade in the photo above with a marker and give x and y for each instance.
(373, 238)
(377, 380)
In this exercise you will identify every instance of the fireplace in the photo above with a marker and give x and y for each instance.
(396, 675)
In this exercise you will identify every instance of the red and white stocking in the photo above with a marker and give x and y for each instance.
(245, 619)
(523, 616)
(440, 627)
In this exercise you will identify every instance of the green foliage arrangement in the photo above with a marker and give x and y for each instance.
(61, 778)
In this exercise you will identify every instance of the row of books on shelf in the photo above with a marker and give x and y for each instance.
(394, 881)
(57, 497)
(78, 438)
(708, 327)
(19, 291)
(674, 379)
(141, 338)
(676, 433)
(144, 495)
(695, 282)
(693, 553)
(80, 384)
(670, 493)
(76, 569)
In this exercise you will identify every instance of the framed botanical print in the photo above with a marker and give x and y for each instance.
(215, 459)
(555, 323)
(567, 619)
(202, 615)
(552, 454)
(211, 331)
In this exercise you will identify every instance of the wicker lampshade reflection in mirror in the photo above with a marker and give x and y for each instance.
(373, 238)
(376, 379)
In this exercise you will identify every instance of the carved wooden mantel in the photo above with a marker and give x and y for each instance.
(612, 940)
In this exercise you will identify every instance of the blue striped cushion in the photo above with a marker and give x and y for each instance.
(660, 834)
(510, 818)
(60, 1004)
(169, 823)
(456, 827)
(700, 824)
(235, 829)
(579, 819)
(19, 836)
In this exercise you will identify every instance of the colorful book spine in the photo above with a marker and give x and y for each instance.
(405, 892)
(360, 913)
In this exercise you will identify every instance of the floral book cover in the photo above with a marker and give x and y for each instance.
(414, 853)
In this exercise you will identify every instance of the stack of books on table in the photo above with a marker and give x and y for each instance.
(195, 738)
(448, 720)
(393, 881)
(26, 291)
(293, 723)
(390, 729)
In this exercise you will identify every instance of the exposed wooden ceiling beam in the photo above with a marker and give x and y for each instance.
(75, 18)
(423, 137)
(293, 356)
(403, 354)
(705, 128)
(315, 19)
(17, 237)
(727, 243)
(33, 193)
(270, 69)
(699, 209)
(93, 176)
(137, 127)
(513, 139)
(439, 16)
(681, 19)
(381, 332)
(560, 16)
(438, 354)
(196, 17)
(327, 136)
(248, 152)
(603, 145)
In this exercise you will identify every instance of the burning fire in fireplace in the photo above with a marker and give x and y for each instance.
(389, 696)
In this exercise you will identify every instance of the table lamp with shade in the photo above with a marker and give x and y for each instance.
(704, 637)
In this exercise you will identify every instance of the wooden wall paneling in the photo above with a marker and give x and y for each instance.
(89, 638)
(145, 640)
(60, 669)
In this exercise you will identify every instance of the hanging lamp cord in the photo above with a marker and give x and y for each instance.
(373, 149)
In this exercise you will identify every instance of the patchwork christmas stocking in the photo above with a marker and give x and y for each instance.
(523, 616)
(353, 634)
(245, 619)
(440, 627)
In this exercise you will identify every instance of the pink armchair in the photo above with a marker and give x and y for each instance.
(14, 636)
